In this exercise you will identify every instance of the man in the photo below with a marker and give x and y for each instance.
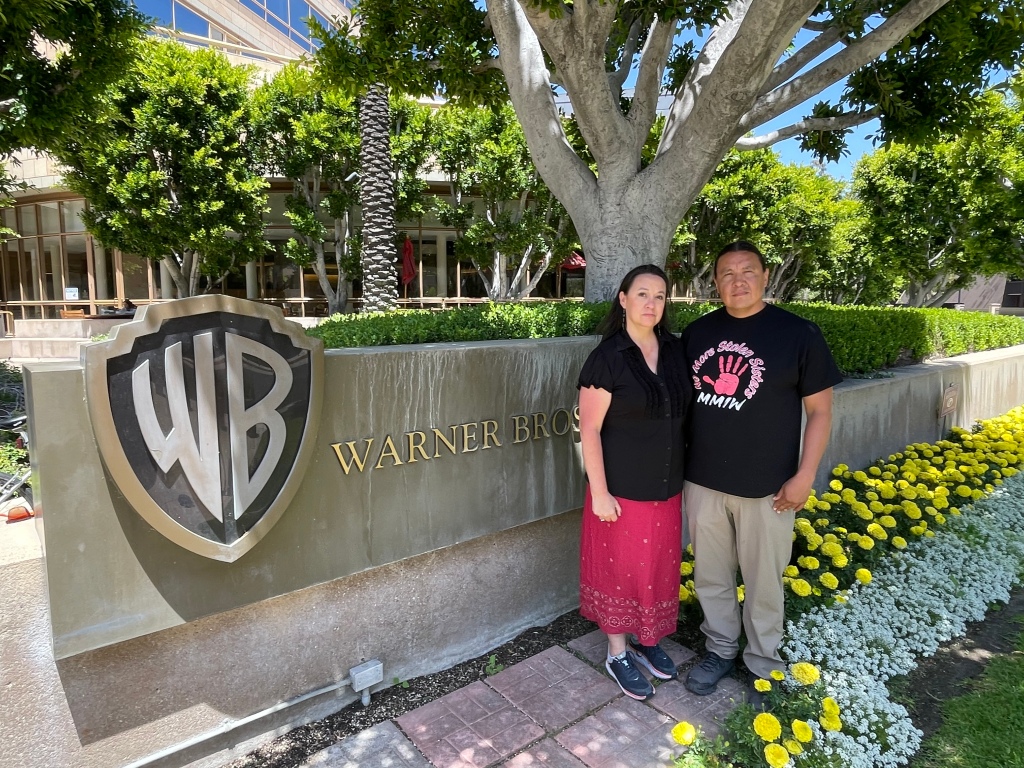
(755, 368)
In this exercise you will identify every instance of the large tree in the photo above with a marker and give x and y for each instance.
(168, 167)
(506, 220)
(912, 63)
(56, 58)
(942, 213)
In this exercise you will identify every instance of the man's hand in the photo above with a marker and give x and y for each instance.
(605, 507)
(793, 494)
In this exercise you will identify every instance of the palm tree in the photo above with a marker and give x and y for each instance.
(376, 184)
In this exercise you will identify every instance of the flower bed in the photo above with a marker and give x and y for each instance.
(886, 567)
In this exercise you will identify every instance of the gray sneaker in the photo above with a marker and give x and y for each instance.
(703, 679)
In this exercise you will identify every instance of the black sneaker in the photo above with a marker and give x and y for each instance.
(703, 679)
(757, 700)
(656, 660)
(624, 672)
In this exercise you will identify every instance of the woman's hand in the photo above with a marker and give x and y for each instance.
(605, 507)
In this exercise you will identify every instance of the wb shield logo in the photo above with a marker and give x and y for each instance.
(205, 412)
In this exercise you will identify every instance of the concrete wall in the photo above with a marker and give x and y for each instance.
(179, 691)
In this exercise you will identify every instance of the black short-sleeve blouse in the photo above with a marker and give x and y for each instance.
(642, 433)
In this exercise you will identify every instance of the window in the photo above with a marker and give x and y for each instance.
(160, 10)
(190, 21)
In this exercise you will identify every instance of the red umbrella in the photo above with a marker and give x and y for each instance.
(408, 262)
(575, 261)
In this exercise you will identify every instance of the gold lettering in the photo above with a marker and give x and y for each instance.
(490, 433)
(576, 419)
(519, 424)
(554, 421)
(388, 450)
(354, 458)
(415, 445)
(438, 435)
(539, 420)
(466, 437)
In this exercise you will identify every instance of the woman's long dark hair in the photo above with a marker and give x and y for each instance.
(615, 320)
(676, 376)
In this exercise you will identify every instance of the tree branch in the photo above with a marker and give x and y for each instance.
(806, 125)
(618, 77)
(834, 69)
(801, 58)
(816, 26)
(522, 61)
(648, 83)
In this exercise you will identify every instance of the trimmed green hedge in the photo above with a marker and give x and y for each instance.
(862, 339)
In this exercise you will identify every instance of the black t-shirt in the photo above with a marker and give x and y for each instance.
(642, 433)
(751, 375)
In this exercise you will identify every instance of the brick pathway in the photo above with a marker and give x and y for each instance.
(552, 710)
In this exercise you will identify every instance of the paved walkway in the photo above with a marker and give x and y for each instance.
(556, 709)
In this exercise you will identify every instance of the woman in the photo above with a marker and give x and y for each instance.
(634, 393)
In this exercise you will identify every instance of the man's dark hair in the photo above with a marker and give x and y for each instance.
(615, 320)
(740, 246)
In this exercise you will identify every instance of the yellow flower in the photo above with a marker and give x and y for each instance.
(963, 490)
(828, 580)
(808, 562)
(830, 706)
(800, 587)
(840, 561)
(777, 674)
(805, 674)
(887, 521)
(767, 726)
(802, 731)
(865, 542)
(899, 542)
(685, 568)
(831, 723)
(740, 593)
(877, 531)
(835, 485)
(684, 733)
(762, 685)
(876, 506)
(792, 571)
(859, 476)
(831, 548)
(776, 755)
(863, 575)
(793, 746)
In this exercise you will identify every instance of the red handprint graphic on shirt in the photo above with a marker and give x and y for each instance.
(729, 371)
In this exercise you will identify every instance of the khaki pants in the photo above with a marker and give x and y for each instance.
(729, 532)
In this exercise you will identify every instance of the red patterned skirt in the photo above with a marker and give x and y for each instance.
(629, 569)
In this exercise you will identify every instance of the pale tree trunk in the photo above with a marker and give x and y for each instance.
(380, 276)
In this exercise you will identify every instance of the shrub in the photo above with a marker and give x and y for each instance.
(862, 339)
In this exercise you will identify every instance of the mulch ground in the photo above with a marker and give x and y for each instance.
(944, 676)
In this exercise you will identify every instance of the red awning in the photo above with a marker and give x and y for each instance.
(575, 261)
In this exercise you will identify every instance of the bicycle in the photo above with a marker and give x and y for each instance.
(16, 484)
